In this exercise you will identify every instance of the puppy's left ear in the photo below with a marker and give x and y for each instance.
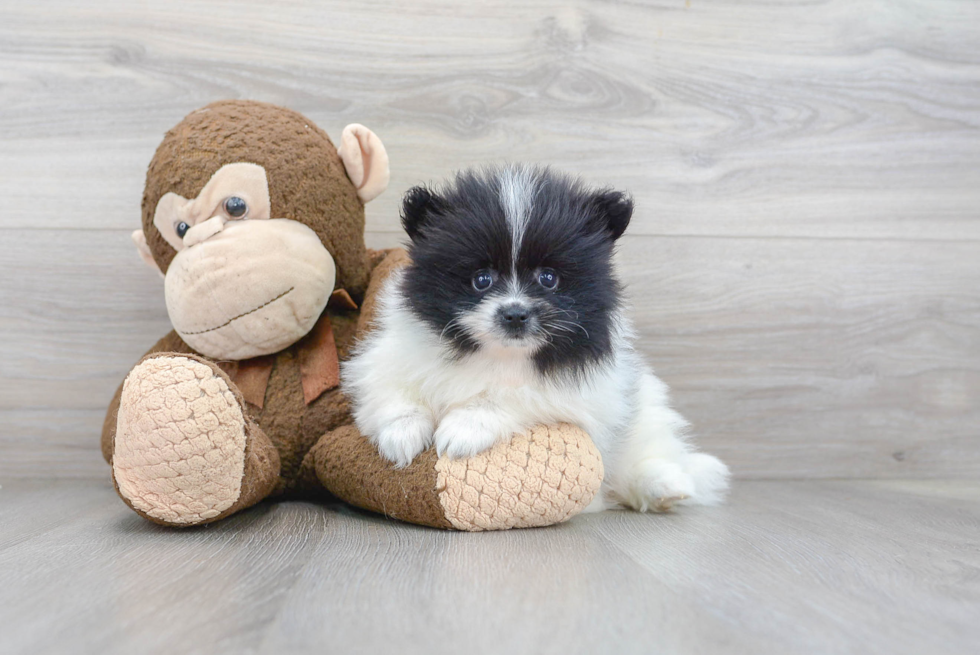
(613, 210)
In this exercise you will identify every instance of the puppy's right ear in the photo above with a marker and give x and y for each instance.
(613, 211)
(417, 208)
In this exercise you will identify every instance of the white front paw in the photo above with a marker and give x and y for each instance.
(403, 438)
(466, 432)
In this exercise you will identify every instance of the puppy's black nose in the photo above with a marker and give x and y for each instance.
(515, 319)
(515, 314)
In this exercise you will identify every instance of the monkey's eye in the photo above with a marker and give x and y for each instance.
(181, 229)
(548, 278)
(235, 207)
(482, 280)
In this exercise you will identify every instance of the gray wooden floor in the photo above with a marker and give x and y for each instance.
(804, 266)
(787, 567)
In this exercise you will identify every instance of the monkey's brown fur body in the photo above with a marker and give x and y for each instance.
(192, 438)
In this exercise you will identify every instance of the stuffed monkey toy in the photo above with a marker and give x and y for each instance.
(256, 222)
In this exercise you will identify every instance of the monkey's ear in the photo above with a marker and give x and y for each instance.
(613, 210)
(366, 161)
(417, 207)
(144, 250)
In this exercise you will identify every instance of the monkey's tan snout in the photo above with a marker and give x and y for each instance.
(246, 288)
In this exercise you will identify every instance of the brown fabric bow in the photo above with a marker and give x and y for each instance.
(319, 364)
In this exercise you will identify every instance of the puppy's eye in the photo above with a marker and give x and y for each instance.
(235, 207)
(181, 229)
(483, 280)
(548, 278)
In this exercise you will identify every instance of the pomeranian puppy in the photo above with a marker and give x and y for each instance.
(511, 315)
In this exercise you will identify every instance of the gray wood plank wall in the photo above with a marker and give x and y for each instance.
(805, 258)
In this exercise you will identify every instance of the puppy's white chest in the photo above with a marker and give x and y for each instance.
(485, 377)
(502, 368)
(513, 379)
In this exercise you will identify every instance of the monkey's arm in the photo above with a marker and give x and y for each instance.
(170, 343)
(385, 262)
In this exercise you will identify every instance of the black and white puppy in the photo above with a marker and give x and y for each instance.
(511, 315)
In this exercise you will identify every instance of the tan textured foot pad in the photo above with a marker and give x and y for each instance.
(543, 476)
(180, 443)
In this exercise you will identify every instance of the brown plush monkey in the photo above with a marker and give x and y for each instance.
(256, 221)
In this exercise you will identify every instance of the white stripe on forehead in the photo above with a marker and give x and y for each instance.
(517, 188)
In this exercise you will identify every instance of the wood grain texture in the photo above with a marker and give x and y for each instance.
(803, 259)
(838, 118)
(786, 567)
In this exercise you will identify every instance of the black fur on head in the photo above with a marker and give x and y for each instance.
(520, 228)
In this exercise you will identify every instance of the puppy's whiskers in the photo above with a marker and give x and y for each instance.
(451, 325)
(552, 322)
(574, 322)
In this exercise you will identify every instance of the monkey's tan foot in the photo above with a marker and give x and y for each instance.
(185, 451)
(541, 477)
